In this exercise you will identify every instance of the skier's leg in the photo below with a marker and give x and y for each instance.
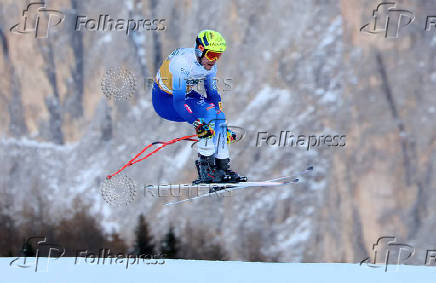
(163, 105)
(222, 155)
(204, 113)
(220, 138)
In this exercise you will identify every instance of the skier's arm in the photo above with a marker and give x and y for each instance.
(211, 89)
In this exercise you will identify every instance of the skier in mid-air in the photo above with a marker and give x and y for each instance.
(175, 99)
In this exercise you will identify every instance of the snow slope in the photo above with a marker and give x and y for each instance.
(66, 270)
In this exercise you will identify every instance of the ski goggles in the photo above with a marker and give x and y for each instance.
(212, 55)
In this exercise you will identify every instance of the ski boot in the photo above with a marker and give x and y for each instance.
(207, 172)
(231, 176)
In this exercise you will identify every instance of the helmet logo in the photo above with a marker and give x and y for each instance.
(206, 43)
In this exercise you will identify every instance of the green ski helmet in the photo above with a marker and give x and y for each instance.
(210, 44)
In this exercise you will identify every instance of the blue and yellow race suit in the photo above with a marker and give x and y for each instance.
(175, 98)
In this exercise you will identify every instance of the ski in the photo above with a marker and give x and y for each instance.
(221, 188)
(300, 174)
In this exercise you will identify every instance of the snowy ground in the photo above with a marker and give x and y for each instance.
(66, 270)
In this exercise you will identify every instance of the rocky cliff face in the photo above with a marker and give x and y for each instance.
(306, 69)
